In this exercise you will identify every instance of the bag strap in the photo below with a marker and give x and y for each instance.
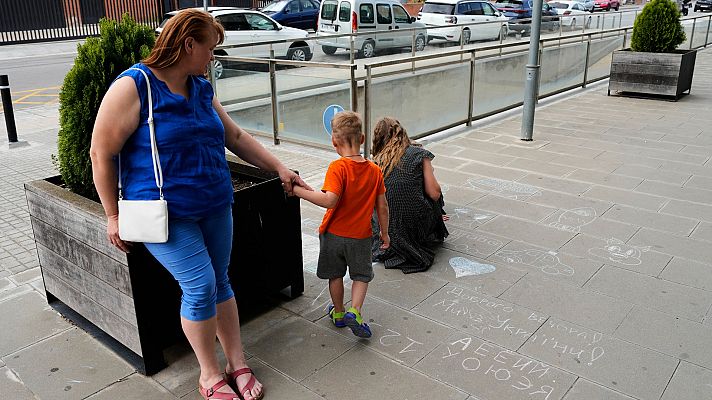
(157, 171)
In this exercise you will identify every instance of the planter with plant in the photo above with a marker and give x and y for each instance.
(653, 65)
(115, 291)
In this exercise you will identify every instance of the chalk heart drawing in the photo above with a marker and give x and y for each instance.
(444, 187)
(617, 251)
(573, 220)
(466, 267)
(509, 189)
(469, 215)
(547, 261)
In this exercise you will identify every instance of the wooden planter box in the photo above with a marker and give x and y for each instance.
(131, 297)
(660, 74)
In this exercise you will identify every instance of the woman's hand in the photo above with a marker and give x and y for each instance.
(289, 178)
(112, 232)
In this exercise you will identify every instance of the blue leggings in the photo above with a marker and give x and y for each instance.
(197, 254)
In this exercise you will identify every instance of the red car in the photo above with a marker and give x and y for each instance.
(606, 5)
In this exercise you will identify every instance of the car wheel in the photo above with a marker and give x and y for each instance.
(368, 49)
(299, 53)
(328, 50)
(608, 8)
(554, 26)
(420, 43)
(218, 69)
(617, 6)
(572, 26)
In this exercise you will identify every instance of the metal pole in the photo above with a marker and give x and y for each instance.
(205, 5)
(471, 97)
(707, 35)
(585, 66)
(351, 55)
(625, 37)
(7, 108)
(354, 89)
(501, 37)
(412, 52)
(273, 95)
(692, 35)
(367, 113)
(620, 19)
(532, 74)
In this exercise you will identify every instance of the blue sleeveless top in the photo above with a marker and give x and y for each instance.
(191, 146)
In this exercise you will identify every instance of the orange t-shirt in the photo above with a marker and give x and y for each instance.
(358, 184)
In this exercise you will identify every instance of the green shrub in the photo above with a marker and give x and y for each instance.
(99, 61)
(658, 28)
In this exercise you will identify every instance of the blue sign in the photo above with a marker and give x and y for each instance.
(329, 113)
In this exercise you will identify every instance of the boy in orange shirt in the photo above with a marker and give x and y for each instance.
(353, 187)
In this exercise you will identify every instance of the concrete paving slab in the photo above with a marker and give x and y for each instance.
(16, 291)
(702, 170)
(601, 358)
(38, 321)
(688, 273)
(540, 167)
(689, 210)
(456, 196)
(675, 192)
(690, 382)
(700, 182)
(69, 365)
(261, 318)
(26, 276)
(313, 303)
(585, 220)
(6, 283)
(580, 151)
(596, 164)
(516, 229)
(686, 340)
(304, 347)
(703, 232)
(658, 294)
(448, 162)
(568, 202)
(500, 322)
(489, 171)
(481, 141)
(181, 376)
(488, 371)
(619, 196)
(614, 251)
(11, 387)
(401, 335)
(135, 387)
(557, 184)
(652, 173)
(587, 390)
(405, 291)
(603, 179)
(557, 266)
(364, 374)
(277, 385)
(467, 217)
(473, 273)
(580, 306)
(473, 242)
(528, 153)
(651, 144)
(650, 219)
(513, 208)
(472, 153)
(672, 244)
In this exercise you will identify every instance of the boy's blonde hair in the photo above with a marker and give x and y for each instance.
(390, 141)
(347, 126)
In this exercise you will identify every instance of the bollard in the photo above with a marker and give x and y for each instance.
(7, 108)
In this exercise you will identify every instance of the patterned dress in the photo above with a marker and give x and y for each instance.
(416, 226)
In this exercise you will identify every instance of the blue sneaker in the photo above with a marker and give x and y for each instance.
(336, 317)
(353, 320)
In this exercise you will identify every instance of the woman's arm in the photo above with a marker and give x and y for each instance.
(116, 121)
(247, 148)
(432, 187)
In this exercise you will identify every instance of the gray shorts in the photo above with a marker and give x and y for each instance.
(336, 252)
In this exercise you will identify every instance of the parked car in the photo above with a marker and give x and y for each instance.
(572, 13)
(703, 5)
(301, 14)
(588, 4)
(606, 5)
(249, 26)
(380, 24)
(519, 13)
(490, 22)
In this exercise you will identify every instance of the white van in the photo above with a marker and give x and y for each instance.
(379, 23)
(491, 23)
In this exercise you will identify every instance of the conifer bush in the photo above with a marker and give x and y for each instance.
(658, 28)
(99, 61)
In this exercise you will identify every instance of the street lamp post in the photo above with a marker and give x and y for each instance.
(532, 71)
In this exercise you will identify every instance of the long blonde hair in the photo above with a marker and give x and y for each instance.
(390, 141)
(169, 48)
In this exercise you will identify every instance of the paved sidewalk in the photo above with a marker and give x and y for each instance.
(578, 267)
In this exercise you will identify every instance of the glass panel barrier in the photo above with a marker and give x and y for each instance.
(244, 91)
(499, 82)
(424, 101)
(599, 58)
(561, 67)
(700, 32)
(687, 27)
(303, 96)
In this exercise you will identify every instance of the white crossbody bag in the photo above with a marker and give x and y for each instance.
(145, 220)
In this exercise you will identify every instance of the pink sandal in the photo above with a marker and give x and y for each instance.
(213, 394)
(232, 381)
